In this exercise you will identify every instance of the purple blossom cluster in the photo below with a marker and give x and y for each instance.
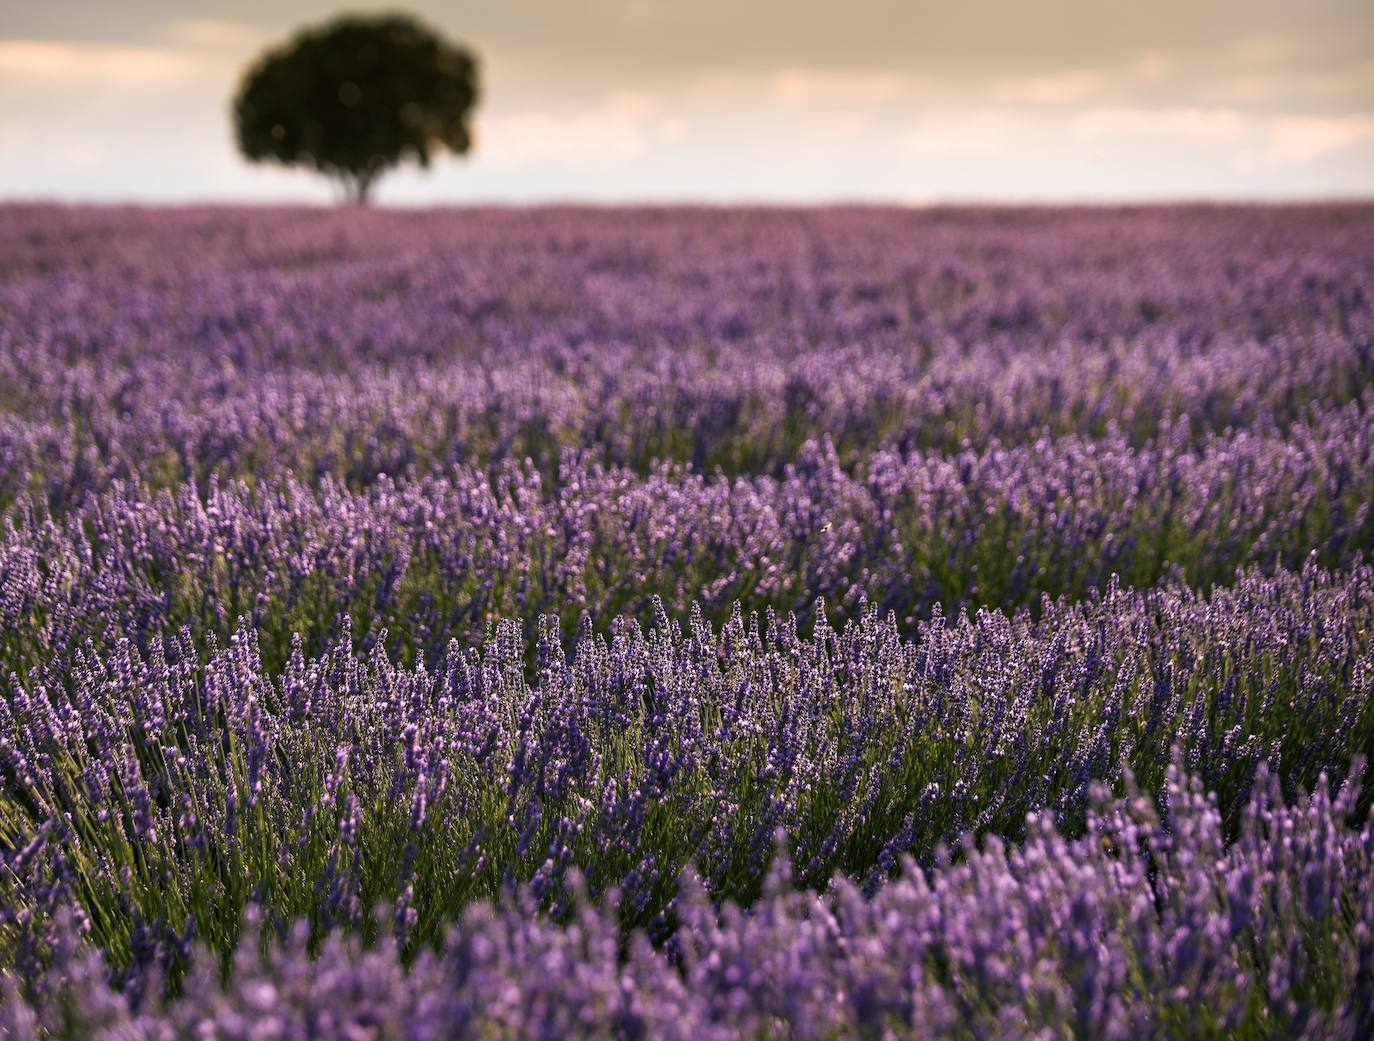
(830, 624)
(1146, 926)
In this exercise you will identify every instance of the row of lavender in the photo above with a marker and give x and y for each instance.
(171, 346)
(439, 558)
(163, 795)
(633, 407)
(1142, 928)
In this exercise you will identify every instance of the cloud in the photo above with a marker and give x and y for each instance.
(1152, 67)
(973, 132)
(623, 125)
(1275, 139)
(1353, 83)
(1071, 85)
(85, 63)
(1164, 122)
(1303, 139)
(828, 86)
(213, 35)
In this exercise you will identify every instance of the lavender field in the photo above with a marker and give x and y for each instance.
(700, 623)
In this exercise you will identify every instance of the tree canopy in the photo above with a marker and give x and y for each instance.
(357, 96)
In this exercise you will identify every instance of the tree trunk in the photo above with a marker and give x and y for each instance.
(357, 188)
(362, 188)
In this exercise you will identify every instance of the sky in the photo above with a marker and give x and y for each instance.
(902, 101)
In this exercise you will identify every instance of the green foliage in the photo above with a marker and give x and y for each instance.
(356, 97)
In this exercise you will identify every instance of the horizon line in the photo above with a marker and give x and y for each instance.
(1199, 200)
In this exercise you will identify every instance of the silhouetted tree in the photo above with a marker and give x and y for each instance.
(355, 97)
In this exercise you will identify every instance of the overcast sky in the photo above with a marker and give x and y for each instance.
(737, 100)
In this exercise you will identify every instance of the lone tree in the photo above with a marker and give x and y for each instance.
(356, 97)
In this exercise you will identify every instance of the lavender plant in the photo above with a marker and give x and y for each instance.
(183, 792)
(1144, 927)
(439, 558)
